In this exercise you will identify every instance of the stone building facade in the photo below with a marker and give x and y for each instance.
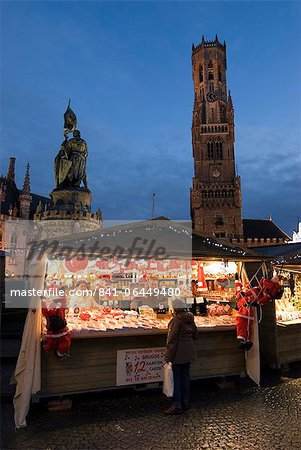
(16, 205)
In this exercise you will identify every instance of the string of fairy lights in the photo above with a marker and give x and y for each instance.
(285, 260)
(206, 240)
(189, 234)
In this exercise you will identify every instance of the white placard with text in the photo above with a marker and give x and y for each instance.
(141, 365)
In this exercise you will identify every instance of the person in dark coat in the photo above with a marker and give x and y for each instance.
(180, 351)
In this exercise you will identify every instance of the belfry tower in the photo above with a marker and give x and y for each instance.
(215, 197)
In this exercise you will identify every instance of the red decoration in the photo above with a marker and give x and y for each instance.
(249, 298)
(58, 341)
(75, 264)
(103, 265)
(202, 286)
(85, 316)
(173, 264)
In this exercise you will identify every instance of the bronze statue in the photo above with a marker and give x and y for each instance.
(70, 162)
(69, 121)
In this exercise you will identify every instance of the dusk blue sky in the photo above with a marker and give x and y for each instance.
(127, 69)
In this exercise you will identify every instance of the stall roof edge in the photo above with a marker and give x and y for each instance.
(203, 246)
(278, 249)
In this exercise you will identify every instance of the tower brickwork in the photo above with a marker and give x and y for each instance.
(215, 196)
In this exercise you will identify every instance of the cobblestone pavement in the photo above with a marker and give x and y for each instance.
(232, 415)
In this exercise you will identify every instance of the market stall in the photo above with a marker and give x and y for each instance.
(135, 307)
(99, 334)
(280, 329)
(119, 325)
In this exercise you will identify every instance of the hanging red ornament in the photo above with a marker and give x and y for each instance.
(75, 264)
(101, 264)
(202, 286)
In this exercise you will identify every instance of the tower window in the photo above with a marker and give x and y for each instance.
(211, 87)
(219, 73)
(210, 150)
(210, 70)
(201, 74)
(219, 150)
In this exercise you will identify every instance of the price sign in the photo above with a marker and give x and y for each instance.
(142, 365)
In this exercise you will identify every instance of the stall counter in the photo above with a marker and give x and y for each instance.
(92, 363)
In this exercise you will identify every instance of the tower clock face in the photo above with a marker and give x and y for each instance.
(216, 173)
(212, 96)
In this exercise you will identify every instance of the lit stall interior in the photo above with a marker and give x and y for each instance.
(116, 295)
(288, 307)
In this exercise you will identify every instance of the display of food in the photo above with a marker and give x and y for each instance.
(214, 321)
(220, 277)
(147, 311)
(218, 296)
(217, 309)
(148, 287)
(106, 319)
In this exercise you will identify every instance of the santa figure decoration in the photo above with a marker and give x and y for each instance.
(247, 300)
(58, 337)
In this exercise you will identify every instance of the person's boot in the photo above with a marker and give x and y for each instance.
(249, 345)
(62, 356)
(173, 409)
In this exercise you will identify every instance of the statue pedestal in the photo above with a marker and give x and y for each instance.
(70, 213)
(71, 199)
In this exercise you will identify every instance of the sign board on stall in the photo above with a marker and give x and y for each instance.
(141, 365)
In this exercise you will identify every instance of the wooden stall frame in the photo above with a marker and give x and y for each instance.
(92, 365)
(218, 352)
(280, 343)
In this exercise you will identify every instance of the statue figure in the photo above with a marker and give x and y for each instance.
(62, 166)
(70, 162)
(69, 121)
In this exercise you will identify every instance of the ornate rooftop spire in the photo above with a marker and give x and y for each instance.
(11, 170)
(230, 102)
(26, 183)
